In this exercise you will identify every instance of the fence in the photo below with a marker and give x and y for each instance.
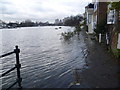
(17, 66)
(104, 38)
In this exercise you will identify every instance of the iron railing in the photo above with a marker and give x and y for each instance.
(17, 66)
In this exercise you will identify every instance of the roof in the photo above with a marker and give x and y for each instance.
(91, 5)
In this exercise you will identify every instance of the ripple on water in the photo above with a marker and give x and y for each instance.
(46, 60)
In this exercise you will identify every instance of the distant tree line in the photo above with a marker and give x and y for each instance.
(26, 23)
(68, 21)
(73, 20)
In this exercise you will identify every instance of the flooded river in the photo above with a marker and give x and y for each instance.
(47, 59)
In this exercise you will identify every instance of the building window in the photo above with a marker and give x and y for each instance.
(111, 17)
(89, 18)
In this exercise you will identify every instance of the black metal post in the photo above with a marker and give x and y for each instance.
(18, 65)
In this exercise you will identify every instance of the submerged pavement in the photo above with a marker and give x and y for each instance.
(101, 70)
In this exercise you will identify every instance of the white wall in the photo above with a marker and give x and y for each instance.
(118, 46)
(90, 20)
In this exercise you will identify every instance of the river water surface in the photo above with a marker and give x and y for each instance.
(47, 59)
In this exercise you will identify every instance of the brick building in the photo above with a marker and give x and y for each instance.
(99, 15)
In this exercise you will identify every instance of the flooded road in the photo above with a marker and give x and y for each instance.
(47, 59)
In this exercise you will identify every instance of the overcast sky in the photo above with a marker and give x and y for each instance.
(40, 10)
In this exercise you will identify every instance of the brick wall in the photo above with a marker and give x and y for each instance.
(102, 12)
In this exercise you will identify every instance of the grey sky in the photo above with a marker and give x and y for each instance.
(40, 10)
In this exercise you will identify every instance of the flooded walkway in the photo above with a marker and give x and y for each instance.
(103, 71)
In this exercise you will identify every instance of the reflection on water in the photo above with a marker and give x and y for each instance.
(47, 60)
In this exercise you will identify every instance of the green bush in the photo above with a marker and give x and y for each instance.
(68, 35)
(116, 52)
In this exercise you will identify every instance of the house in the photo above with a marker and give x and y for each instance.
(99, 16)
(89, 17)
(114, 35)
(105, 23)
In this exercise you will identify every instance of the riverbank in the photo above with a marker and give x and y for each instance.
(102, 69)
